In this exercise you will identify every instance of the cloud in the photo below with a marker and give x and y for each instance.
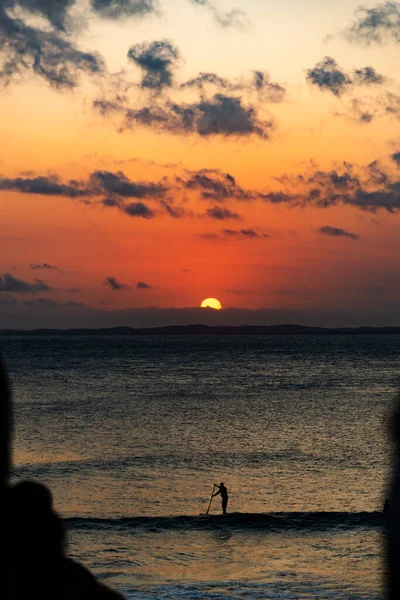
(115, 285)
(205, 79)
(392, 105)
(235, 234)
(379, 24)
(396, 158)
(118, 183)
(367, 109)
(369, 189)
(327, 75)
(260, 82)
(215, 185)
(274, 92)
(157, 60)
(36, 266)
(220, 213)
(141, 285)
(219, 115)
(367, 76)
(138, 209)
(9, 283)
(337, 232)
(46, 186)
(245, 233)
(47, 53)
(176, 212)
(56, 12)
(233, 18)
(117, 9)
(115, 186)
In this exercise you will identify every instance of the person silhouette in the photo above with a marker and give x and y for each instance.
(224, 495)
(33, 540)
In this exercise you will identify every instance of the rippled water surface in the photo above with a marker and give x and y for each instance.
(127, 427)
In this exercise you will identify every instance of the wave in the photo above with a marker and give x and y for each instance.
(276, 521)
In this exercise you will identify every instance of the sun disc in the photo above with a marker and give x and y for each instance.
(211, 303)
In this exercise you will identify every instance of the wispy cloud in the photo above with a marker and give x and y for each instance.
(379, 24)
(235, 17)
(36, 266)
(141, 285)
(337, 232)
(9, 283)
(115, 285)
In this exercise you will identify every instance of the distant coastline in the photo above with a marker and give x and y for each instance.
(210, 330)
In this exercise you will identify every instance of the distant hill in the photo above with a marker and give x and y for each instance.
(211, 330)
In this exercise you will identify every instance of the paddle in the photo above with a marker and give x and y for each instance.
(209, 504)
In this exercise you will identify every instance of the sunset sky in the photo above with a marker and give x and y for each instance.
(156, 153)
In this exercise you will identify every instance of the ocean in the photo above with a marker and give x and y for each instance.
(131, 433)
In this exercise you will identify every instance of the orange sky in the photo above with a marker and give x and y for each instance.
(85, 195)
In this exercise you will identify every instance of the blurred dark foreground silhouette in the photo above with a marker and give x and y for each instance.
(392, 512)
(33, 538)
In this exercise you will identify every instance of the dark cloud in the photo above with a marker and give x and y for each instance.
(42, 266)
(244, 233)
(225, 115)
(337, 232)
(138, 209)
(9, 283)
(118, 183)
(48, 54)
(215, 185)
(220, 115)
(327, 75)
(232, 18)
(47, 186)
(396, 158)
(116, 9)
(379, 24)
(115, 285)
(220, 213)
(55, 11)
(157, 60)
(367, 76)
(370, 190)
(141, 285)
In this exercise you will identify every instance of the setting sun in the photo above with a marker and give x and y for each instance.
(211, 303)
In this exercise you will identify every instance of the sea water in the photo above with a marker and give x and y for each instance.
(132, 432)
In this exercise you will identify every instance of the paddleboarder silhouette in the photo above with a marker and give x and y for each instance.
(224, 495)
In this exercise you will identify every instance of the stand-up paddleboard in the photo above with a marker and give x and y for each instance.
(209, 504)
